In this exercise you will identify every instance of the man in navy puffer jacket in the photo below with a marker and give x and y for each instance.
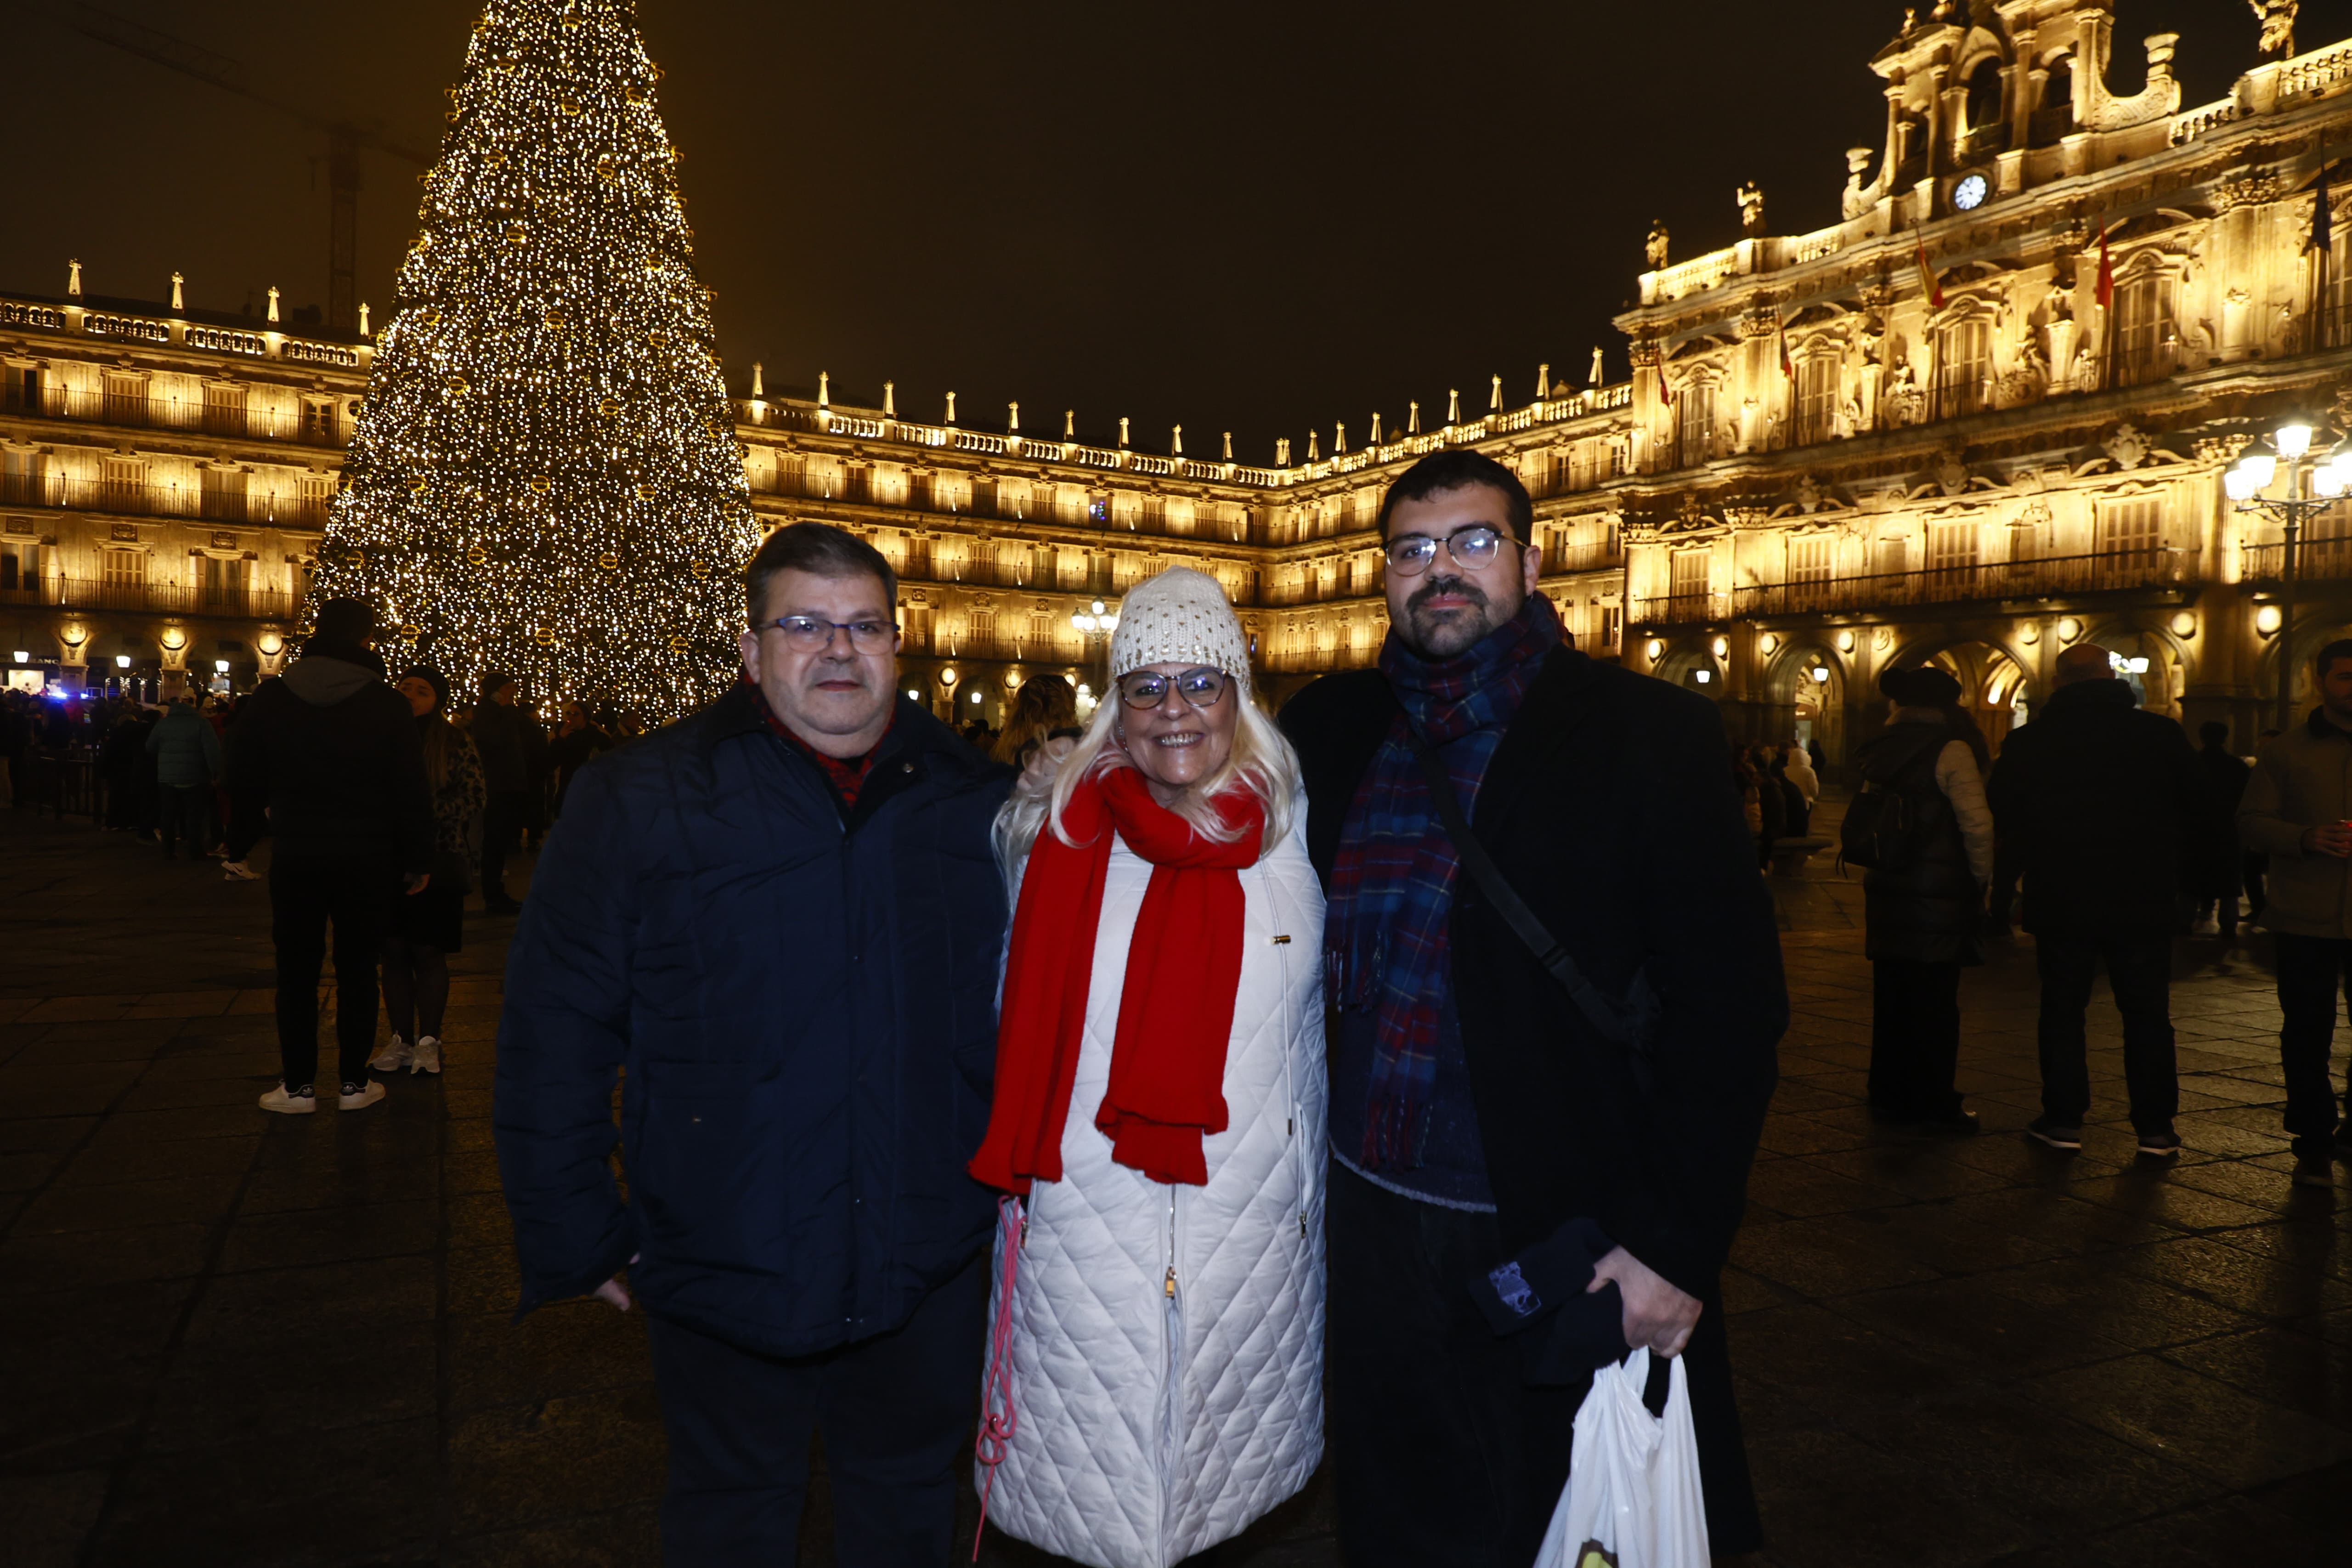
(780, 921)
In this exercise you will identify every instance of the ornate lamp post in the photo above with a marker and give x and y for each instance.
(1095, 621)
(2313, 485)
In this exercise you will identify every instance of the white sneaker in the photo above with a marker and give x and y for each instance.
(427, 1055)
(393, 1057)
(359, 1095)
(238, 871)
(301, 1102)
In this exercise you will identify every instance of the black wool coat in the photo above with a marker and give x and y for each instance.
(2102, 805)
(1609, 802)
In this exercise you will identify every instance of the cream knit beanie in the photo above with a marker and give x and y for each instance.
(1180, 616)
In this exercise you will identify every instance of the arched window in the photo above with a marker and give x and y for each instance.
(1984, 130)
(2055, 118)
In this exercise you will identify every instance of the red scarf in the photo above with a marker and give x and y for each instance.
(1175, 1008)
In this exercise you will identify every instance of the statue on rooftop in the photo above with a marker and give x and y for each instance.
(2277, 18)
(1654, 247)
(1751, 208)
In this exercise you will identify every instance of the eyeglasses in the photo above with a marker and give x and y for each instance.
(1409, 553)
(1201, 688)
(807, 634)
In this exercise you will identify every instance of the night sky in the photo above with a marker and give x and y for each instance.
(1254, 217)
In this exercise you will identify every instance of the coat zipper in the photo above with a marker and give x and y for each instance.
(1172, 1329)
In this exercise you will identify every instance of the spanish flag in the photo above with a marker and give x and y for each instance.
(1929, 284)
(2105, 293)
(1788, 366)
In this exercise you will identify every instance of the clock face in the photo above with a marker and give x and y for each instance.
(1969, 193)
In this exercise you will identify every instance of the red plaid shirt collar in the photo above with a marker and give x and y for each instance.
(846, 775)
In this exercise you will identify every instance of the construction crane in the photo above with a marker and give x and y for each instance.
(345, 138)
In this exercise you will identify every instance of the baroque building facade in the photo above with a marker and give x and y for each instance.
(1982, 417)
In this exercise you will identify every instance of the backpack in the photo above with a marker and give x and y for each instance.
(1885, 829)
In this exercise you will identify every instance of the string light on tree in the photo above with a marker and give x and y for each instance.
(545, 477)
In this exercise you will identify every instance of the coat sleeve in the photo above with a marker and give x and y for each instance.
(411, 799)
(2263, 822)
(564, 1034)
(212, 752)
(1713, 959)
(1957, 776)
(248, 777)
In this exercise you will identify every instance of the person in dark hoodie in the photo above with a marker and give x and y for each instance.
(187, 757)
(2102, 805)
(331, 754)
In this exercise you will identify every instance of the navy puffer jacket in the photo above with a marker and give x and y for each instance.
(803, 1011)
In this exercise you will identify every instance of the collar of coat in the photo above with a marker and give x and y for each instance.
(2322, 729)
(915, 744)
(2106, 691)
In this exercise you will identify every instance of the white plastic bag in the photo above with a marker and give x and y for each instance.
(1632, 1497)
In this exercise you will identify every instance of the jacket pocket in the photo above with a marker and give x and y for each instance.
(708, 1179)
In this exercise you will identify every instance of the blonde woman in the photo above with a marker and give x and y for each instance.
(1155, 1378)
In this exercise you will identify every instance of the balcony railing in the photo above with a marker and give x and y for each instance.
(856, 489)
(1681, 609)
(176, 598)
(193, 501)
(1595, 557)
(1297, 661)
(143, 412)
(2056, 574)
(2324, 557)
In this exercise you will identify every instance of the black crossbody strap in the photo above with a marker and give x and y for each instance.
(1604, 1013)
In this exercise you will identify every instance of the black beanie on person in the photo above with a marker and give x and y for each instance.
(493, 683)
(1923, 686)
(434, 679)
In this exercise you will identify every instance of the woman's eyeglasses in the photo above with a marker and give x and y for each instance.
(1145, 689)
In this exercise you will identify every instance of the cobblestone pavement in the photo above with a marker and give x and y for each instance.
(227, 1337)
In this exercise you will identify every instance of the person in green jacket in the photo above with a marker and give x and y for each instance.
(187, 765)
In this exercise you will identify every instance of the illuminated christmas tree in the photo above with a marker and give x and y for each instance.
(545, 477)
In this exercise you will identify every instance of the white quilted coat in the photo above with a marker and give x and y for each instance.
(1166, 1353)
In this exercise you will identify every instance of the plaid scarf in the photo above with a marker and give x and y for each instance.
(1386, 941)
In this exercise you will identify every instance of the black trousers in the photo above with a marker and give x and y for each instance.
(2311, 971)
(185, 808)
(305, 895)
(502, 823)
(1915, 1038)
(895, 1412)
(1442, 1456)
(2139, 974)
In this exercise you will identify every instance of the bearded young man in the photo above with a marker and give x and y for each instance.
(1487, 1133)
(782, 917)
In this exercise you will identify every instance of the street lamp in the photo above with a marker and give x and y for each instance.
(1095, 621)
(2313, 485)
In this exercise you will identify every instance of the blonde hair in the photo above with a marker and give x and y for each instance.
(1262, 763)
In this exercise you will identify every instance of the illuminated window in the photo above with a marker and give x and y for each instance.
(1811, 562)
(1613, 624)
(1952, 554)
(2132, 531)
(1692, 582)
(2143, 330)
(1964, 367)
(1816, 390)
(1695, 422)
